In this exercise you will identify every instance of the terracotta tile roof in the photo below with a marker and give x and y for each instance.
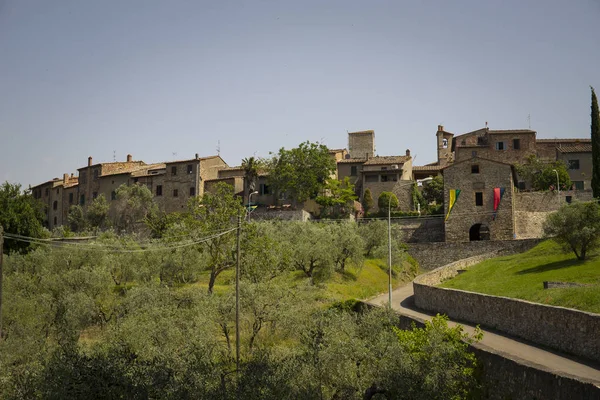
(557, 141)
(193, 159)
(426, 168)
(361, 132)
(236, 168)
(352, 160)
(500, 131)
(385, 160)
(575, 148)
(336, 150)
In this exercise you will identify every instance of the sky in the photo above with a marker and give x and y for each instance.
(163, 80)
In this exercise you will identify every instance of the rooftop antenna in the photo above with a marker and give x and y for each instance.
(529, 120)
(174, 155)
(114, 155)
(218, 147)
(486, 125)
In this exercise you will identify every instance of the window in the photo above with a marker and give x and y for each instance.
(82, 177)
(135, 180)
(113, 195)
(573, 164)
(46, 192)
(174, 170)
(95, 174)
(159, 190)
(54, 220)
(499, 145)
(569, 199)
(481, 141)
(371, 178)
(395, 178)
(192, 191)
(475, 168)
(190, 168)
(578, 185)
(70, 198)
(94, 195)
(57, 190)
(175, 193)
(264, 189)
(55, 205)
(384, 178)
(478, 198)
(521, 185)
(445, 143)
(517, 144)
(353, 170)
(82, 199)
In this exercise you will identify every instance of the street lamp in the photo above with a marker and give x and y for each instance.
(390, 249)
(250, 202)
(557, 185)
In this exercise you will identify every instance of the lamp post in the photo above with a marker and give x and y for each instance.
(557, 185)
(390, 250)
(250, 202)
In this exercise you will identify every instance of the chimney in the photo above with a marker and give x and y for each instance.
(197, 157)
(65, 178)
(407, 152)
(89, 161)
(129, 157)
(440, 128)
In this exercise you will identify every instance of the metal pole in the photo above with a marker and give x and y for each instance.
(557, 185)
(390, 250)
(1, 275)
(237, 298)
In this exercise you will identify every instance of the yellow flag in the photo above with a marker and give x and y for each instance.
(453, 197)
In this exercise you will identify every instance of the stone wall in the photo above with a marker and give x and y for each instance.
(402, 190)
(567, 330)
(421, 230)
(532, 209)
(282, 215)
(434, 255)
(505, 378)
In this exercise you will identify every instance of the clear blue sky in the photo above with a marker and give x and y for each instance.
(153, 78)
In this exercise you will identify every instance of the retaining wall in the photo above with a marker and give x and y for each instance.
(564, 329)
(434, 255)
(505, 378)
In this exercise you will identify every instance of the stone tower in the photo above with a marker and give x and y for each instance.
(361, 144)
(444, 146)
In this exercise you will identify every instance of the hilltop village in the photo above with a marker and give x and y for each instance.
(484, 197)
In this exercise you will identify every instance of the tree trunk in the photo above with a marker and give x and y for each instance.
(372, 391)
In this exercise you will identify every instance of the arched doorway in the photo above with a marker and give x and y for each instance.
(479, 232)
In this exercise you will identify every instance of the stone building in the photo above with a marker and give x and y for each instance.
(575, 153)
(377, 173)
(473, 216)
(57, 196)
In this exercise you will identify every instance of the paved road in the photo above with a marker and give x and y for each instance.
(514, 349)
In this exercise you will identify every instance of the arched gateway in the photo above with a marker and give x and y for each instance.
(479, 232)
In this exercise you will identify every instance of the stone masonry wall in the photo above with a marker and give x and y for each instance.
(402, 190)
(567, 330)
(421, 230)
(434, 255)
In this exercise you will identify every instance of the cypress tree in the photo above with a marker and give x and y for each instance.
(595, 146)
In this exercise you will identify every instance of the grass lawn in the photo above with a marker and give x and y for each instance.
(522, 276)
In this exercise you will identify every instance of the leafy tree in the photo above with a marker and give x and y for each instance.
(576, 227)
(595, 133)
(20, 214)
(302, 171)
(76, 218)
(348, 245)
(374, 234)
(264, 255)
(97, 212)
(541, 174)
(433, 191)
(311, 247)
(367, 202)
(133, 206)
(213, 213)
(252, 166)
(387, 199)
(339, 199)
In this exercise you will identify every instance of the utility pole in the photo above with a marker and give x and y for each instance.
(237, 298)
(1, 275)
(390, 250)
